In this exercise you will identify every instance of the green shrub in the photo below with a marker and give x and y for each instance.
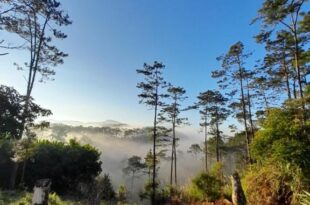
(122, 194)
(283, 138)
(106, 187)
(203, 187)
(6, 153)
(192, 193)
(66, 165)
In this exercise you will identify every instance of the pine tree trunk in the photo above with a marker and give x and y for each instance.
(174, 147)
(250, 111)
(244, 113)
(154, 151)
(297, 66)
(294, 89)
(171, 165)
(287, 81)
(13, 175)
(206, 144)
(217, 141)
(175, 166)
(23, 172)
(132, 180)
(266, 101)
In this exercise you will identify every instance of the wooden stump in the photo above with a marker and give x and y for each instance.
(238, 197)
(41, 191)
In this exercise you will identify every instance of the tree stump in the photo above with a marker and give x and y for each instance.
(41, 191)
(238, 197)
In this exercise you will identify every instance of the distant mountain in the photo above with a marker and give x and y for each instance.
(86, 132)
(107, 123)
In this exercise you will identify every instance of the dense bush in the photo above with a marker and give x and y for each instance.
(281, 150)
(96, 191)
(203, 187)
(12, 113)
(6, 153)
(108, 192)
(284, 138)
(66, 165)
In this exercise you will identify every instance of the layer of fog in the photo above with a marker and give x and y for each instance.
(115, 152)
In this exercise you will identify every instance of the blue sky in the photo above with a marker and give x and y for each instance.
(110, 39)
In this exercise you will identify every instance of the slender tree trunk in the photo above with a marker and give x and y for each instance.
(171, 168)
(174, 139)
(132, 180)
(287, 80)
(294, 89)
(174, 154)
(299, 80)
(13, 175)
(16, 164)
(154, 148)
(175, 166)
(250, 110)
(265, 100)
(35, 53)
(244, 113)
(22, 179)
(206, 143)
(217, 142)
(297, 66)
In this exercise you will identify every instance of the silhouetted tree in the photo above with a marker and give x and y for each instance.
(11, 112)
(194, 149)
(37, 23)
(218, 113)
(134, 167)
(232, 72)
(211, 105)
(278, 62)
(152, 95)
(171, 114)
(66, 165)
(285, 14)
(108, 192)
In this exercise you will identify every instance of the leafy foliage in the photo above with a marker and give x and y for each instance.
(66, 165)
(108, 192)
(152, 95)
(283, 138)
(122, 194)
(203, 187)
(11, 112)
